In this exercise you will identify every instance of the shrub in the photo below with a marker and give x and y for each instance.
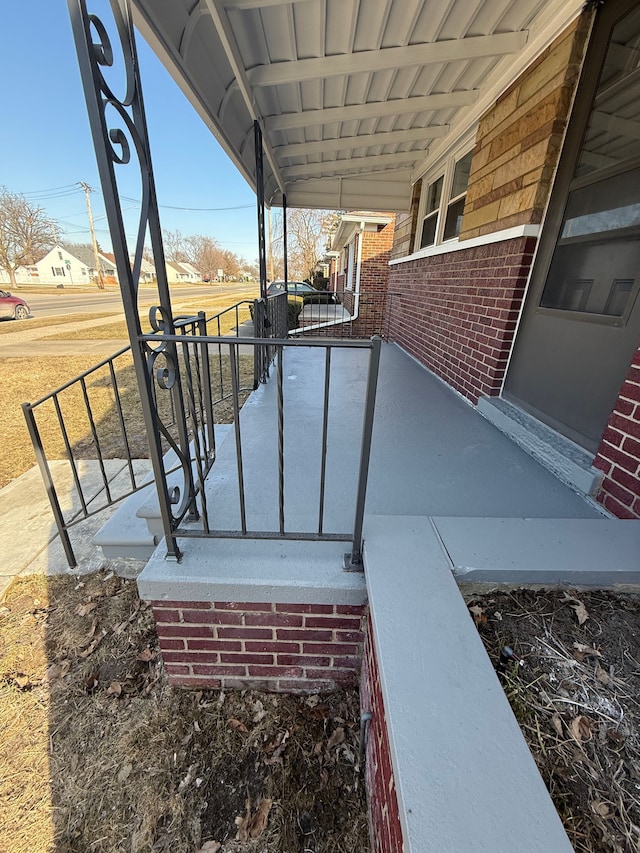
(294, 307)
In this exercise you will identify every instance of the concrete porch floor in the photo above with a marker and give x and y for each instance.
(433, 455)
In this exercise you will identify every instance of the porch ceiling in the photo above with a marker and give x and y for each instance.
(353, 96)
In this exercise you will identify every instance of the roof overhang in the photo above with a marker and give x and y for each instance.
(355, 97)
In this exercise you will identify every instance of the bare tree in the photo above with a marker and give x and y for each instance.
(25, 232)
(307, 233)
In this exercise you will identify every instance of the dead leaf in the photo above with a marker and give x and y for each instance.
(58, 670)
(188, 779)
(616, 738)
(580, 728)
(237, 725)
(602, 675)
(278, 746)
(210, 847)
(578, 608)
(336, 738)
(600, 808)
(124, 772)
(252, 826)
(115, 688)
(90, 648)
(146, 655)
(479, 616)
(556, 722)
(260, 713)
(86, 608)
(583, 651)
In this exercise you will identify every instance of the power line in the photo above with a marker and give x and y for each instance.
(190, 209)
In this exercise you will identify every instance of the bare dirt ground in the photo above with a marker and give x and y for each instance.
(100, 754)
(571, 671)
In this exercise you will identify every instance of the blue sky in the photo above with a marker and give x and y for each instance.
(45, 141)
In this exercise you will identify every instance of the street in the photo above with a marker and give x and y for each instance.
(60, 302)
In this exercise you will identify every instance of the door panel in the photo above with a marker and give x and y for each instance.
(581, 322)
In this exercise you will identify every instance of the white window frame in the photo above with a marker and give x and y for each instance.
(445, 169)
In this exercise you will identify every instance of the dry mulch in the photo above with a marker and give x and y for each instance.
(571, 670)
(101, 754)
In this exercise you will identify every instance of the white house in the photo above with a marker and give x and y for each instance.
(73, 266)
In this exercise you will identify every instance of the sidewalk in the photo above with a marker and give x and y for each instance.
(29, 542)
(14, 344)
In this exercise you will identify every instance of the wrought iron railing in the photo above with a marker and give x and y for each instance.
(97, 416)
(186, 513)
(342, 314)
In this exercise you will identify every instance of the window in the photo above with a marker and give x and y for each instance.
(432, 208)
(60, 255)
(57, 270)
(457, 197)
(443, 203)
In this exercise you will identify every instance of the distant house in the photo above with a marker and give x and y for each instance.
(72, 266)
(176, 272)
(194, 274)
(23, 275)
(359, 267)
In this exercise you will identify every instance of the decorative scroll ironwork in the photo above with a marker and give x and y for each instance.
(119, 131)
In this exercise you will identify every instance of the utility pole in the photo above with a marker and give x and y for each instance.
(87, 189)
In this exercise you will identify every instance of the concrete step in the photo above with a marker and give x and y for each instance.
(148, 511)
(464, 777)
(135, 528)
(567, 460)
(126, 535)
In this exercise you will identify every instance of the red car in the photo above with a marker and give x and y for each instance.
(13, 306)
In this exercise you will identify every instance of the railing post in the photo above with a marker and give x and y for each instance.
(52, 494)
(353, 561)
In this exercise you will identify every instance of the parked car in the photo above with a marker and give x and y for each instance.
(299, 288)
(13, 306)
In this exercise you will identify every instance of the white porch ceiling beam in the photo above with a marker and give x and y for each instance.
(615, 124)
(368, 61)
(342, 167)
(230, 5)
(225, 34)
(302, 149)
(377, 109)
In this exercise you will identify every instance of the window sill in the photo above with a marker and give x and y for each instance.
(457, 245)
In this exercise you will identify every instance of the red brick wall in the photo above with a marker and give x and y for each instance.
(384, 820)
(619, 452)
(457, 312)
(293, 648)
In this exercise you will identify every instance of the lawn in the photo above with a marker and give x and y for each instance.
(26, 379)
(102, 756)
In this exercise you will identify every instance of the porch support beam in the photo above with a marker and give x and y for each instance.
(425, 103)
(221, 23)
(351, 164)
(391, 58)
(419, 134)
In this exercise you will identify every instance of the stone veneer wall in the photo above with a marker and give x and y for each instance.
(384, 819)
(291, 648)
(519, 139)
(619, 452)
(457, 312)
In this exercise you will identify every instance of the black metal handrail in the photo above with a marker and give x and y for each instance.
(47, 415)
(176, 509)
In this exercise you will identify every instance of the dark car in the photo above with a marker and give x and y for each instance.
(298, 288)
(13, 306)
